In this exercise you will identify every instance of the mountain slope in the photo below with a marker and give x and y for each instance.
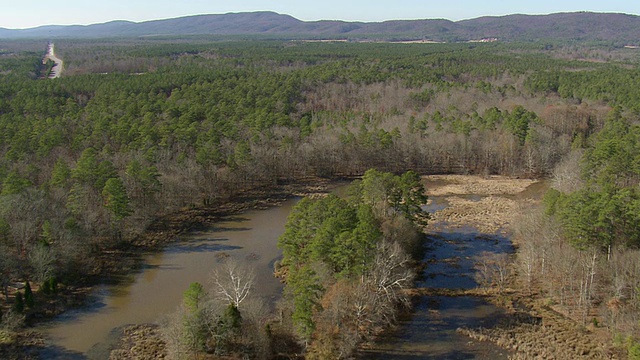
(567, 26)
(581, 26)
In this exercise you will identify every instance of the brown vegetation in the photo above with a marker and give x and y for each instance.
(139, 342)
(578, 287)
(530, 328)
(477, 201)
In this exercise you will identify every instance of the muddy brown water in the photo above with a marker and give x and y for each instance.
(157, 289)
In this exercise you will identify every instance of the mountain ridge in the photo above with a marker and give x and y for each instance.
(568, 26)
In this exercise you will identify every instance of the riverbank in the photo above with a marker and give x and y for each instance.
(534, 331)
(166, 229)
(529, 329)
(115, 265)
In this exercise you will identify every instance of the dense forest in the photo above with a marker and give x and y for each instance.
(135, 130)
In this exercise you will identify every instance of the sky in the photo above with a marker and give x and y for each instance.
(20, 14)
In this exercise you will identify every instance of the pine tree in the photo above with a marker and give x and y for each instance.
(116, 199)
(28, 296)
(18, 306)
(193, 296)
(46, 237)
(60, 174)
(53, 285)
(85, 171)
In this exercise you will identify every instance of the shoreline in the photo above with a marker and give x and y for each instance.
(528, 328)
(114, 264)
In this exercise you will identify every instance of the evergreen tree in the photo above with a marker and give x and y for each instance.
(28, 296)
(46, 237)
(116, 199)
(193, 296)
(18, 305)
(86, 167)
(304, 286)
(231, 320)
(194, 322)
(60, 174)
(14, 184)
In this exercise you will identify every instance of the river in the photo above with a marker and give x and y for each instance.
(427, 333)
(157, 289)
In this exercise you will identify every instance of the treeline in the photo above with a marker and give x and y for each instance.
(612, 84)
(582, 250)
(88, 160)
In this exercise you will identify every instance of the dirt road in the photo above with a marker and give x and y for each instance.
(56, 71)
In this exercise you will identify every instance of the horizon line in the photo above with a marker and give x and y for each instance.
(318, 20)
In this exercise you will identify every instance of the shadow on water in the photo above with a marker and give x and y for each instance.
(412, 355)
(95, 306)
(208, 229)
(429, 331)
(452, 354)
(201, 247)
(145, 267)
(451, 257)
(51, 352)
(218, 229)
(95, 302)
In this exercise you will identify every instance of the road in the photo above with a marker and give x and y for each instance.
(57, 67)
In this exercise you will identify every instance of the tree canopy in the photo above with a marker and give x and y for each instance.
(340, 240)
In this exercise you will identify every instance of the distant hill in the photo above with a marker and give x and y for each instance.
(580, 26)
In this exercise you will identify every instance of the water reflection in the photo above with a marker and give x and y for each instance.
(430, 330)
(451, 257)
(430, 333)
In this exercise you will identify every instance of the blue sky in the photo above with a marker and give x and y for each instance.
(30, 13)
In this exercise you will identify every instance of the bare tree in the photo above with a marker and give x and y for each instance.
(176, 331)
(528, 258)
(357, 310)
(566, 176)
(391, 271)
(42, 261)
(493, 269)
(535, 234)
(232, 282)
(589, 267)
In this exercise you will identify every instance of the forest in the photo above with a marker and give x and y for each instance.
(138, 129)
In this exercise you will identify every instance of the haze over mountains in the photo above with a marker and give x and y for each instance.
(580, 26)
